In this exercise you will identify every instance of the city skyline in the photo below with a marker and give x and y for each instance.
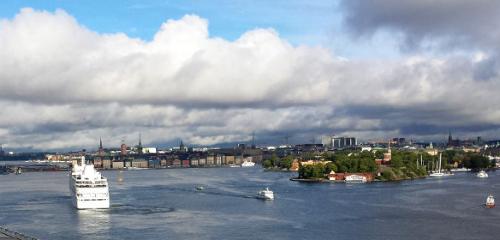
(70, 73)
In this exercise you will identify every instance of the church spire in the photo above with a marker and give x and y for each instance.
(140, 142)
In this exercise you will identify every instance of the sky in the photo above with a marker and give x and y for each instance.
(214, 72)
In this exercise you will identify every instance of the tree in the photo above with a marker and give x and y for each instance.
(286, 162)
(330, 167)
(267, 163)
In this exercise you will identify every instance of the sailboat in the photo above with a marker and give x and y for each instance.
(439, 173)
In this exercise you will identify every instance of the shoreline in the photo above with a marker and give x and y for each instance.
(295, 179)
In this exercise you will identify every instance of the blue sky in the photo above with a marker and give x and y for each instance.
(300, 22)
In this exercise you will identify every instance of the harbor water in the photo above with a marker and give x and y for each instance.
(168, 204)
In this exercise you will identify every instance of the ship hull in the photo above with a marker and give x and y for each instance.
(80, 204)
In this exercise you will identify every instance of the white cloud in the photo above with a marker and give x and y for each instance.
(63, 85)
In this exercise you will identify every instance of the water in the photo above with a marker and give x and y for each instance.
(164, 204)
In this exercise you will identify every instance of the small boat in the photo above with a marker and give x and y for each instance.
(19, 171)
(482, 174)
(490, 201)
(199, 188)
(247, 164)
(460, 169)
(266, 194)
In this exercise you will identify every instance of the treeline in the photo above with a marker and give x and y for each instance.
(403, 164)
(341, 161)
(278, 163)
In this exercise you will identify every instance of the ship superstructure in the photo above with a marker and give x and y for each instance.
(89, 189)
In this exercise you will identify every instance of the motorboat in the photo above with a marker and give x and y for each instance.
(461, 169)
(482, 174)
(266, 194)
(490, 201)
(248, 164)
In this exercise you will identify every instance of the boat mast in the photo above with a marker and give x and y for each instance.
(439, 170)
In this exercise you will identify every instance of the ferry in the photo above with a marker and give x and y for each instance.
(490, 201)
(248, 164)
(89, 189)
(355, 179)
(482, 174)
(266, 194)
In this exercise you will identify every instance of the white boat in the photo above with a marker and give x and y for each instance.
(490, 201)
(439, 173)
(482, 174)
(355, 179)
(460, 169)
(89, 189)
(266, 194)
(248, 164)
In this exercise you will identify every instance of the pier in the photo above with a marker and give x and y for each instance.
(6, 234)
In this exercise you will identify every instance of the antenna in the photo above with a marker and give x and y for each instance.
(286, 137)
(253, 139)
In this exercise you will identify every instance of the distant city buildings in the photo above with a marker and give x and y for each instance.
(333, 142)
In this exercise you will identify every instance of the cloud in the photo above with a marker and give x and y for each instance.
(444, 24)
(63, 85)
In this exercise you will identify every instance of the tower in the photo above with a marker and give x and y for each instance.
(388, 155)
(182, 148)
(450, 139)
(139, 146)
(253, 139)
(100, 152)
(123, 150)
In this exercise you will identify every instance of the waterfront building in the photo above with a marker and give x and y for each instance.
(344, 142)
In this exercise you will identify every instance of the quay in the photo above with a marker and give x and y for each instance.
(6, 234)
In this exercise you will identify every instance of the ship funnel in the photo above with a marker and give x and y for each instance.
(83, 161)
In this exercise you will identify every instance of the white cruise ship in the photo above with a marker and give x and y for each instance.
(88, 188)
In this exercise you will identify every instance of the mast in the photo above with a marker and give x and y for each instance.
(439, 170)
